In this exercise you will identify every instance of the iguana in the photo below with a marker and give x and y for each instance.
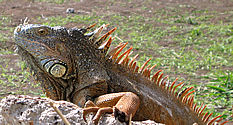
(77, 65)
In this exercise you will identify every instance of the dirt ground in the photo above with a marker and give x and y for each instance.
(18, 10)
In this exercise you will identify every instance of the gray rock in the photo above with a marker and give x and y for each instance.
(21, 109)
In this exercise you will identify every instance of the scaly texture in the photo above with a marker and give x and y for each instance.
(77, 66)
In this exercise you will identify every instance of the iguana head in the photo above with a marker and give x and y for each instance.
(65, 56)
(47, 46)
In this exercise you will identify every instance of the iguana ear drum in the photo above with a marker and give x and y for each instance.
(56, 68)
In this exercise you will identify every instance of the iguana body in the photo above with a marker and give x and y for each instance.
(74, 66)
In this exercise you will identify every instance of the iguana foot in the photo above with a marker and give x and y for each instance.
(91, 107)
(98, 112)
(123, 105)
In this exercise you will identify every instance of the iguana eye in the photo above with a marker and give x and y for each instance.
(42, 32)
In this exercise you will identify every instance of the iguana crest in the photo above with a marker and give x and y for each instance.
(77, 66)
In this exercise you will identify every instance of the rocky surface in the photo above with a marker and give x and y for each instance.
(21, 109)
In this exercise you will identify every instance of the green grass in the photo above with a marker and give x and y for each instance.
(192, 45)
(16, 82)
(220, 93)
(4, 37)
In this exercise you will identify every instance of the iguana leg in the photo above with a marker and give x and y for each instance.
(122, 105)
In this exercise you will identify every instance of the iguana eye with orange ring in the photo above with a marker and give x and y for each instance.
(42, 32)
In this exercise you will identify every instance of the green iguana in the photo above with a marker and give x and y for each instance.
(76, 65)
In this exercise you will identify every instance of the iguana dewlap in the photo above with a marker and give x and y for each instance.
(77, 66)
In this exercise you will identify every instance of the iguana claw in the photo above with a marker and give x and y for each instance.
(122, 105)
(98, 112)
